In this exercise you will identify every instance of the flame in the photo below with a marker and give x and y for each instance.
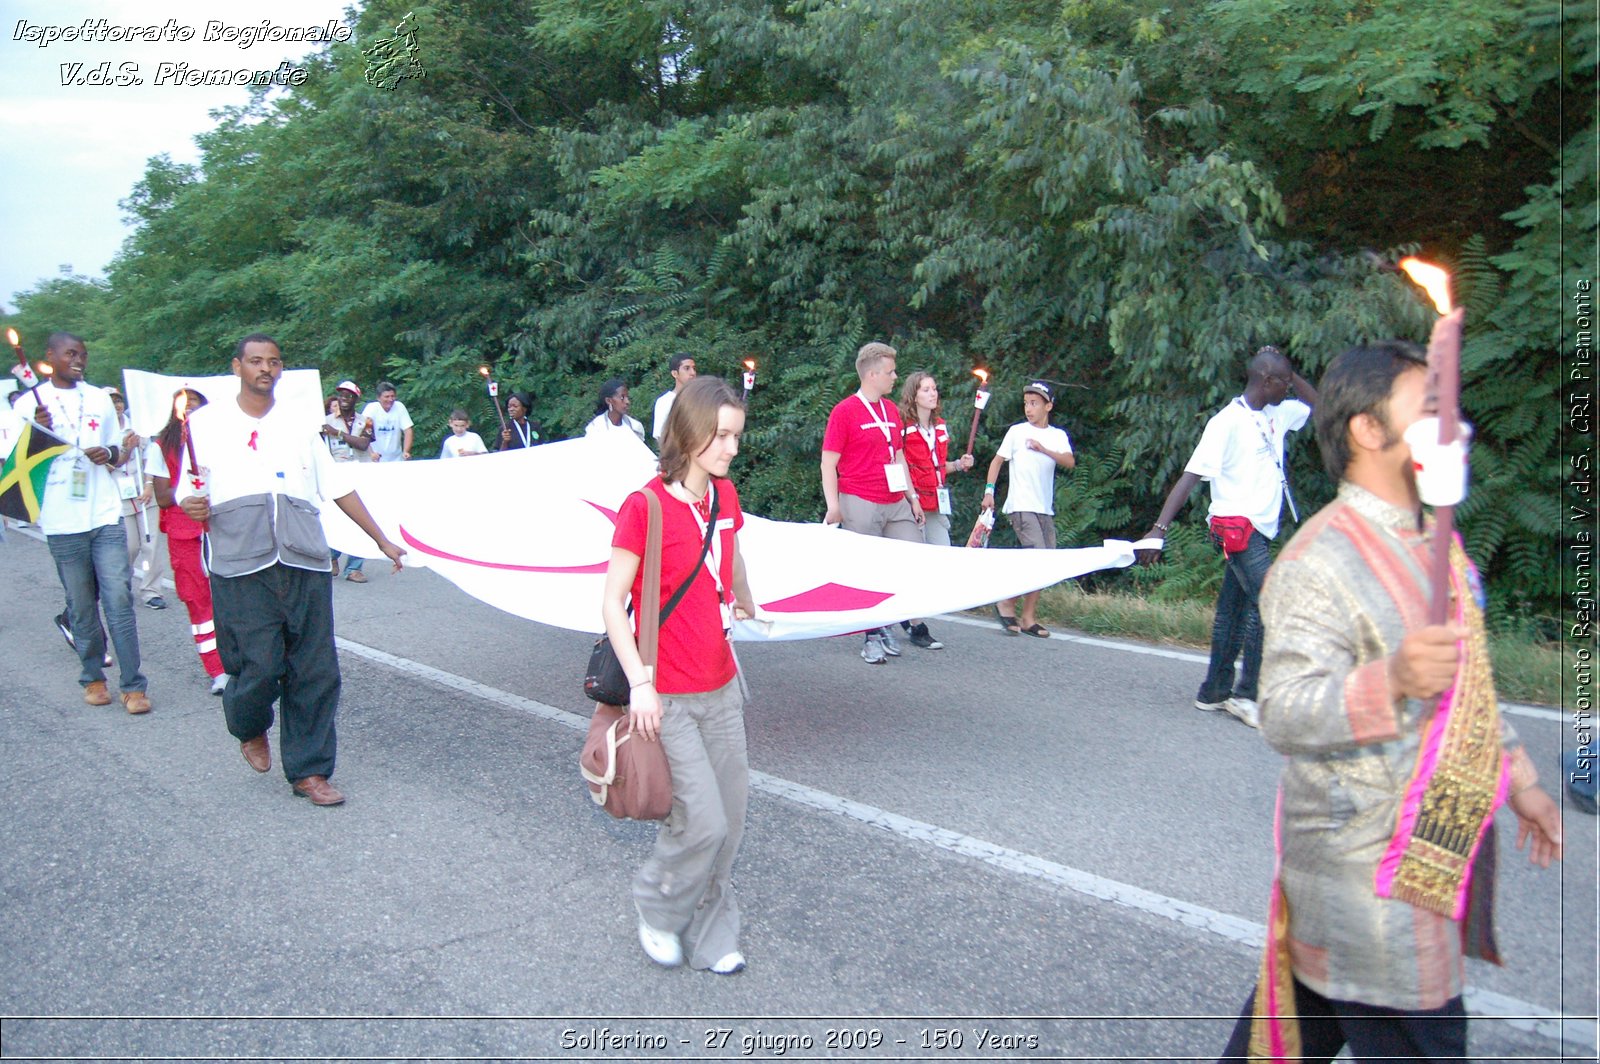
(46, 369)
(750, 364)
(483, 370)
(180, 404)
(1433, 280)
(11, 335)
(982, 375)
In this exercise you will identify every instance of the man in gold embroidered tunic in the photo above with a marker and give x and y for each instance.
(1385, 861)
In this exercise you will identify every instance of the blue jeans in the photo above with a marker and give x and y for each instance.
(94, 570)
(351, 565)
(1238, 624)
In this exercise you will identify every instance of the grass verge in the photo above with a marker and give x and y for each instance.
(1525, 669)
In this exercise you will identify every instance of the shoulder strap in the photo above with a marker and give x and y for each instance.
(650, 621)
(649, 617)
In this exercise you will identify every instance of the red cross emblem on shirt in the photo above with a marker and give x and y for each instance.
(93, 424)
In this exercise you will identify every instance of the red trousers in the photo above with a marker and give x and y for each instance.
(194, 588)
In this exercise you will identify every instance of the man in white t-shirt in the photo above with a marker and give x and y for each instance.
(81, 517)
(682, 367)
(1036, 449)
(388, 423)
(271, 576)
(1241, 454)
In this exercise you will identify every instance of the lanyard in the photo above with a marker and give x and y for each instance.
(1272, 453)
(880, 421)
(75, 426)
(931, 438)
(713, 557)
(524, 433)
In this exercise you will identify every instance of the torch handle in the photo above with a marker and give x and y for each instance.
(1444, 533)
(500, 411)
(1444, 359)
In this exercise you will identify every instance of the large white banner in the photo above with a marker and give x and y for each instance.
(150, 395)
(529, 531)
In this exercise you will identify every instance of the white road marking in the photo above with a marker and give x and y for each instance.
(1519, 1014)
(1517, 709)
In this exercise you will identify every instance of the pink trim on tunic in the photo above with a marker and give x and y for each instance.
(1411, 805)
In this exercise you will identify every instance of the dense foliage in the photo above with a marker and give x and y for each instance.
(1125, 198)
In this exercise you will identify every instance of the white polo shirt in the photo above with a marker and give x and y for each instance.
(84, 417)
(1241, 454)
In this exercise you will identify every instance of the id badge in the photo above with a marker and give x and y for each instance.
(895, 474)
(944, 501)
(80, 480)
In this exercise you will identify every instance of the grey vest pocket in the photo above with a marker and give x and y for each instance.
(246, 534)
(300, 537)
(240, 535)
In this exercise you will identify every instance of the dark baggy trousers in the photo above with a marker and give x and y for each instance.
(1373, 1033)
(275, 635)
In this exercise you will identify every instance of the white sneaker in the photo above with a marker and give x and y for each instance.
(662, 947)
(1245, 709)
(872, 650)
(219, 684)
(733, 962)
(1210, 707)
(891, 645)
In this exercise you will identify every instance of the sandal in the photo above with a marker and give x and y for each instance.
(1038, 630)
(1009, 624)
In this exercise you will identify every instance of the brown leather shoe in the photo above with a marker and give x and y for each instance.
(136, 701)
(319, 790)
(96, 694)
(257, 752)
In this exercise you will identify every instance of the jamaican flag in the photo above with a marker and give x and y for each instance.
(22, 477)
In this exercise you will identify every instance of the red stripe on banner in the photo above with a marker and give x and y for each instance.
(412, 541)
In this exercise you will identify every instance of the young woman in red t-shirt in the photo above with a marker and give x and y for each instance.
(692, 702)
(926, 443)
(183, 540)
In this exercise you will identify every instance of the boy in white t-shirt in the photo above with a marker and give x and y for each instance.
(1034, 448)
(461, 442)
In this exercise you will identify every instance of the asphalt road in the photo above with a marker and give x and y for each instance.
(1006, 849)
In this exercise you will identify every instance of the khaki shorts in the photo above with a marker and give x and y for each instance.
(1034, 530)
(891, 520)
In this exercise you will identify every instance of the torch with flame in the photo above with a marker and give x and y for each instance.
(21, 371)
(1444, 366)
(979, 401)
(749, 376)
(494, 393)
(180, 410)
(46, 371)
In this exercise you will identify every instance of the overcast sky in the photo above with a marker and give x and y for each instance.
(70, 153)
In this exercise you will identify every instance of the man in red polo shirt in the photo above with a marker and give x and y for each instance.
(865, 479)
